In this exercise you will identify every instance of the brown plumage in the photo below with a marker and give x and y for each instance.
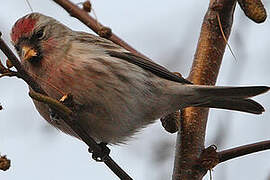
(118, 92)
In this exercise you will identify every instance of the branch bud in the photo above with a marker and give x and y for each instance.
(4, 163)
(87, 6)
(105, 32)
(254, 10)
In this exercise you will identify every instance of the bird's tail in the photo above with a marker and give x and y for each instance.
(232, 98)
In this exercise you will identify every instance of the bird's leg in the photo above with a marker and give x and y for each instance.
(104, 151)
(67, 100)
(102, 154)
(98, 155)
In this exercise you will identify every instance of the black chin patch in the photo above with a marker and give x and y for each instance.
(35, 60)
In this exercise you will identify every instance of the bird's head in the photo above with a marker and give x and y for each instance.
(35, 36)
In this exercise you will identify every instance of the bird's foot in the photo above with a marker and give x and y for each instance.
(67, 100)
(101, 155)
(54, 117)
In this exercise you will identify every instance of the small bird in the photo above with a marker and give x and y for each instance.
(118, 92)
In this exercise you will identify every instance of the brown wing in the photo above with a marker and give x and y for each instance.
(114, 50)
(148, 65)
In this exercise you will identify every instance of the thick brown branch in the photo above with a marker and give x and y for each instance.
(243, 150)
(89, 21)
(71, 120)
(205, 68)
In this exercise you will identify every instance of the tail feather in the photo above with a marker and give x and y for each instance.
(232, 98)
(238, 92)
(244, 105)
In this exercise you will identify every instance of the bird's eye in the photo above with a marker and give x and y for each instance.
(40, 34)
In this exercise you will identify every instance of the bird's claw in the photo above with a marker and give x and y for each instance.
(54, 117)
(67, 100)
(100, 156)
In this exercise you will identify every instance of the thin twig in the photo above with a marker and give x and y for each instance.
(209, 157)
(29, 5)
(50, 101)
(89, 21)
(243, 150)
(9, 74)
(224, 37)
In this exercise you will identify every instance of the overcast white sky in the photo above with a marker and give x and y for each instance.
(167, 32)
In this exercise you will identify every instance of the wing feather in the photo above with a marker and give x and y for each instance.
(116, 51)
(148, 65)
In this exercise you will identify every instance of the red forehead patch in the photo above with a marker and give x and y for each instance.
(21, 27)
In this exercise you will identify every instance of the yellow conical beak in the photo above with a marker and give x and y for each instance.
(28, 53)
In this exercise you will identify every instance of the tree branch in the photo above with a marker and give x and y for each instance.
(51, 102)
(243, 150)
(89, 21)
(71, 119)
(209, 157)
(208, 57)
(205, 68)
